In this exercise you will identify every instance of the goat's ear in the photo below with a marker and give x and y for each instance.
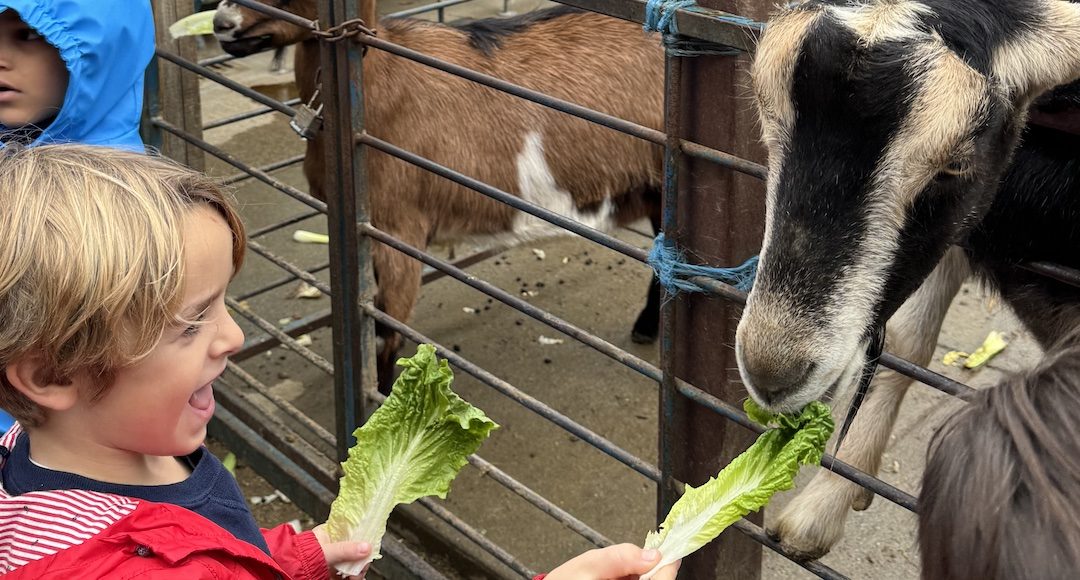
(1043, 56)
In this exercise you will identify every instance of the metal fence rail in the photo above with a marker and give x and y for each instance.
(309, 471)
(225, 121)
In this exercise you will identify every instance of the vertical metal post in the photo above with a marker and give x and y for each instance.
(716, 216)
(152, 135)
(369, 379)
(342, 96)
(670, 404)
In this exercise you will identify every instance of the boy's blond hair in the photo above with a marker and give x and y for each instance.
(91, 259)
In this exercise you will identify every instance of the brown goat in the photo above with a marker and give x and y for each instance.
(578, 169)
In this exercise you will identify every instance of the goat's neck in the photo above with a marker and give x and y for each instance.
(306, 67)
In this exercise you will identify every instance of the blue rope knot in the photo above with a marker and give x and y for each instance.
(672, 271)
(660, 17)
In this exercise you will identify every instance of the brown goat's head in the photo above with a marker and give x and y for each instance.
(243, 31)
(888, 124)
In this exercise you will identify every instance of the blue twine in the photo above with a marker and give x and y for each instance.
(672, 271)
(660, 15)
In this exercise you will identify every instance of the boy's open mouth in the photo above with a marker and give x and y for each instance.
(203, 399)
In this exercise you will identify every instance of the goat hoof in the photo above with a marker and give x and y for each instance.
(813, 522)
(800, 556)
(796, 552)
(641, 337)
(863, 500)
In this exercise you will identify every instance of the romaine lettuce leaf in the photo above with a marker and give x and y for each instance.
(412, 446)
(196, 24)
(745, 484)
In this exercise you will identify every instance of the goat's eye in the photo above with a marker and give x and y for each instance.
(954, 170)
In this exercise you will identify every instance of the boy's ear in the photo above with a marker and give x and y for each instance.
(29, 376)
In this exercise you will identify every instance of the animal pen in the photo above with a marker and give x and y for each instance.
(713, 205)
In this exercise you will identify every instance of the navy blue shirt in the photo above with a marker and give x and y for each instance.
(210, 491)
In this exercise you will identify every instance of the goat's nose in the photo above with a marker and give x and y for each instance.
(223, 25)
(771, 380)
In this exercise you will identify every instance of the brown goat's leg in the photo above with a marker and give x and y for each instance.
(399, 285)
(647, 325)
(813, 522)
(315, 168)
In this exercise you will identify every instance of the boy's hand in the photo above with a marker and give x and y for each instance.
(341, 552)
(620, 562)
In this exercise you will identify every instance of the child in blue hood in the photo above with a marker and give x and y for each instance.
(72, 70)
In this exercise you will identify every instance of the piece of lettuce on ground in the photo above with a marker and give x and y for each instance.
(412, 446)
(745, 484)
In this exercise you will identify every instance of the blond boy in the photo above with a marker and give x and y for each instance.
(113, 270)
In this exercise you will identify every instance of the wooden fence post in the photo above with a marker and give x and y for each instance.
(172, 93)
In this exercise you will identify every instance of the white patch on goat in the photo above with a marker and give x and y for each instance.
(1043, 56)
(883, 21)
(773, 71)
(536, 184)
(228, 13)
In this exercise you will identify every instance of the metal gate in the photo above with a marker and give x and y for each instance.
(711, 190)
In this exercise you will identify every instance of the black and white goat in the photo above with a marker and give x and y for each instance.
(901, 163)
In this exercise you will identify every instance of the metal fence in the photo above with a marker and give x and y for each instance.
(300, 456)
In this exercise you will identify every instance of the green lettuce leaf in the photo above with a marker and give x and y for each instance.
(196, 24)
(412, 446)
(745, 484)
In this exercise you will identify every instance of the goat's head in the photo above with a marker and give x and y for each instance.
(888, 124)
(243, 31)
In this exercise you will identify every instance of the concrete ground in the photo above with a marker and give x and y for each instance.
(597, 290)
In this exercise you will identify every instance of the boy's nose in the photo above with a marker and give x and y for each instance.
(231, 338)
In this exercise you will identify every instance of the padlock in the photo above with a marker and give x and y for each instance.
(307, 121)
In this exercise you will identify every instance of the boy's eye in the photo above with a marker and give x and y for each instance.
(193, 328)
(29, 34)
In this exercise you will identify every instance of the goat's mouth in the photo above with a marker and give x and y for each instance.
(823, 385)
(248, 45)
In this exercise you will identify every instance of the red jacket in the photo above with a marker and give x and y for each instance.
(80, 534)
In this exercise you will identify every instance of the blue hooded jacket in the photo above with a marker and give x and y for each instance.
(106, 45)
